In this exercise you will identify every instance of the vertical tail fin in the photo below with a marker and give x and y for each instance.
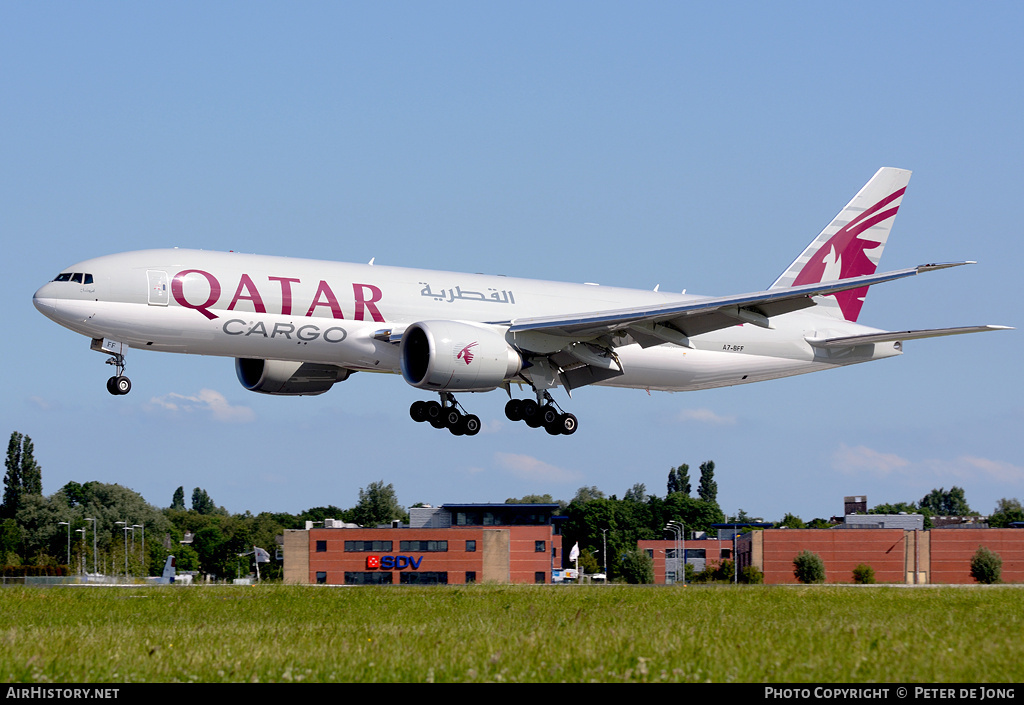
(851, 245)
(170, 569)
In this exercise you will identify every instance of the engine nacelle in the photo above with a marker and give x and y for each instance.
(456, 356)
(288, 378)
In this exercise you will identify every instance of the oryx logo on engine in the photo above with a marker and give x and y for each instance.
(466, 354)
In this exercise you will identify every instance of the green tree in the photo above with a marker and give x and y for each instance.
(908, 508)
(1006, 511)
(318, 514)
(725, 572)
(986, 566)
(679, 480)
(695, 514)
(942, 503)
(708, 488)
(588, 563)
(586, 494)
(637, 567)
(203, 503)
(637, 493)
(186, 559)
(791, 521)
(809, 568)
(178, 500)
(531, 499)
(23, 478)
(377, 505)
(211, 547)
(751, 575)
(896, 508)
(864, 574)
(10, 542)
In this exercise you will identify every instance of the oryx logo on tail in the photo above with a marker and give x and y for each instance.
(851, 245)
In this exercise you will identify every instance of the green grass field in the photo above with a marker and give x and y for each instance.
(512, 633)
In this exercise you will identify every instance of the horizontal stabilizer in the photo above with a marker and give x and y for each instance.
(892, 336)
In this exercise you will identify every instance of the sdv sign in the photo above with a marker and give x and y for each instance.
(393, 562)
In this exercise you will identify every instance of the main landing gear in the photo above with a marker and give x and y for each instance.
(543, 412)
(446, 414)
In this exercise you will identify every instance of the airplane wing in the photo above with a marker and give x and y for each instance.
(893, 336)
(676, 322)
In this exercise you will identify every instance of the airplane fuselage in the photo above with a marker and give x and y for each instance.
(281, 308)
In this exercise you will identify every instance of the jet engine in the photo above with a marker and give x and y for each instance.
(282, 377)
(456, 356)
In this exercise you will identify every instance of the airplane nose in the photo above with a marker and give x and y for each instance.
(43, 300)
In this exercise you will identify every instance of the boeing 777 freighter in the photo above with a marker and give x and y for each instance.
(298, 326)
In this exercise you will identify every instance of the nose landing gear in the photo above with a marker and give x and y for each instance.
(118, 384)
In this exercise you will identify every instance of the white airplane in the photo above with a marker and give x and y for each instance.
(298, 326)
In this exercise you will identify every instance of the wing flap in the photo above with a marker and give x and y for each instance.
(893, 336)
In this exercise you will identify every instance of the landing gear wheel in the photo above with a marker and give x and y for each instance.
(567, 424)
(548, 415)
(434, 414)
(452, 417)
(531, 413)
(418, 411)
(514, 410)
(470, 424)
(119, 385)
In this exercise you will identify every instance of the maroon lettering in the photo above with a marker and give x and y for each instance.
(286, 293)
(364, 304)
(178, 292)
(330, 300)
(254, 295)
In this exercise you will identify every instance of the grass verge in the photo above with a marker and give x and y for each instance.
(747, 634)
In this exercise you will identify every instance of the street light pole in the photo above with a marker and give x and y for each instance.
(124, 528)
(604, 549)
(67, 524)
(677, 528)
(82, 560)
(94, 570)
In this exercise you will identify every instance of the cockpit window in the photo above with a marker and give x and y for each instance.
(76, 277)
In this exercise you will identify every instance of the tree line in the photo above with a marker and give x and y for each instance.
(94, 526)
(110, 529)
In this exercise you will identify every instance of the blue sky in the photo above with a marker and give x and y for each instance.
(695, 146)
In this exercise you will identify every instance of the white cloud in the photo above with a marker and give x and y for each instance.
(705, 416)
(968, 467)
(40, 403)
(862, 459)
(206, 401)
(527, 467)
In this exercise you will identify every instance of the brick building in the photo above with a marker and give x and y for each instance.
(938, 556)
(453, 544)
